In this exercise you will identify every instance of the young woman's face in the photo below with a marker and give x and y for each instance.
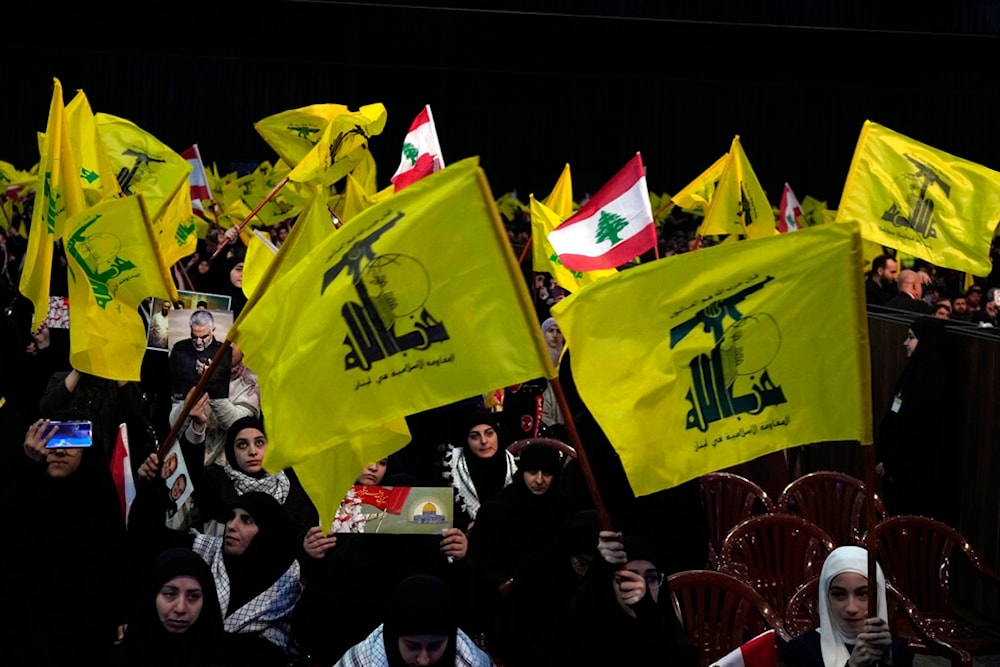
(910, 343)
(372, 474)
(422, 649)
(483, 441)
(236, 275)
(240, 531)
(554, 337)
(63, 462)
(848, 597)
(249, 448)
(179, 603)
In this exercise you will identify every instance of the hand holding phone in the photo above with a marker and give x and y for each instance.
(37, 438)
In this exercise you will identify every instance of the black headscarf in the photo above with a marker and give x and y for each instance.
(148, 643)
(268, 555)
(488, 475)
(421, 605)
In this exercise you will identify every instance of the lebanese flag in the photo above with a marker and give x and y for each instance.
(197, 178)
(612, 228)
(761, 651)
(790, 211)
(421, 151)
(121, 471)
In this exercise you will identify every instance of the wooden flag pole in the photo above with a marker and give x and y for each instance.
(581, 456)
(524, 252)
(239, 227)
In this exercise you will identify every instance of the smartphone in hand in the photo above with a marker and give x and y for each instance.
(71, 434)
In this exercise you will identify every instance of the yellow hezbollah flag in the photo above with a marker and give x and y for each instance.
(97, 175)
(389, 315)
(921, 200)
(694, 196)
(57, 196)
(176, 230)
(739, 205)
(142, 162)
(293, 133)
(342, 146)
(312, 227)
(113, 266)
(747, 353)
(546, 259)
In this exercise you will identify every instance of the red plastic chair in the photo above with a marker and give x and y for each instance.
(916, 554)
(775, 553)
(729, 499)
(720, 612)
(834, 501)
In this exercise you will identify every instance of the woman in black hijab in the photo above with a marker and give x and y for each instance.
(177, 619)
(623, 614)
(217, 487)
(420, 628)
(917, 466)
(254, 565)
(479, 467)
(65, 599)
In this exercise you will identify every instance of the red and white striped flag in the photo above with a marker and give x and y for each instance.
(790, 211)
(197, 178)
(612, 228)
(421, 151)
(121, 471)
(761, 651)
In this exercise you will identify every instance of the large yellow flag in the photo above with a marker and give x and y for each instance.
(747, 353)
(739, 205)
(341, 147)
(399, 311)
(546, 259)
(113, 266)
(57, 196)
(921, 200)
(96, 173)
(293, 133)
(142, 162)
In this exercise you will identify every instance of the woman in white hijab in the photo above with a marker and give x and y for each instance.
(846, 637)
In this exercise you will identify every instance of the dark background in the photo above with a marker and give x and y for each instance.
(529, 86)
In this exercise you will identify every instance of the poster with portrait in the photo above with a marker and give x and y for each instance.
(194, 337)
(176, 476)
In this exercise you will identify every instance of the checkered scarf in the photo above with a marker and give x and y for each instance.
(268, 614)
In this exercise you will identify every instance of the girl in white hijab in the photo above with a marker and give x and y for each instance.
(846, 637)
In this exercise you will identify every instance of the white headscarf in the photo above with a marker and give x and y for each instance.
(832, 640)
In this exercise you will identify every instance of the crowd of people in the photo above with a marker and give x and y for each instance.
(240, 569)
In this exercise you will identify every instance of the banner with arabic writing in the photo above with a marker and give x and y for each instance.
(704, 360)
